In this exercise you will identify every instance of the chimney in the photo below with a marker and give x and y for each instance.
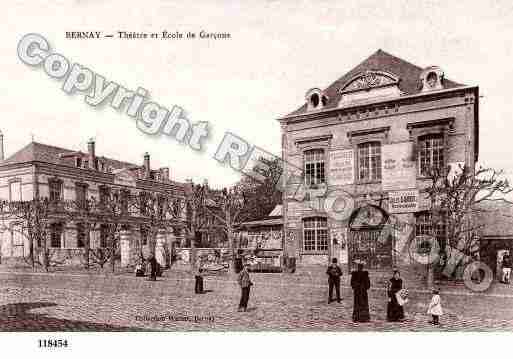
(91, 152)
(146, 165)
(1, 146)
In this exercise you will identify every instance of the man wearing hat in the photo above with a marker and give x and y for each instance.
(334, 273)
(360, 283)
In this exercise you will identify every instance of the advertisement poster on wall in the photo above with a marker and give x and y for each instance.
(398, 171)
(403, 201)
(341, 167)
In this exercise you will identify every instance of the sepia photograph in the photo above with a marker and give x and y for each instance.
(296, 168)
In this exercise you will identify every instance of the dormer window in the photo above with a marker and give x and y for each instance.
(431, 79)
(316, 99)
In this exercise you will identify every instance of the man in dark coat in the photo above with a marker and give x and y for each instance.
(245, 284)
(153, 267)
(506, 268)
(360, 283)
(198, 286)
(334, 273)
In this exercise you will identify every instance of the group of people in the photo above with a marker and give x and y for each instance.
(360, 283)
(396, 294)
(243, 280)
(151, 266)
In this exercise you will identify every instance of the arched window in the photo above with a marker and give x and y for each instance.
(430, 153)
(315, 234)
(314, 167)
(369, 161)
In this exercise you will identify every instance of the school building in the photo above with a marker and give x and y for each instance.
(372, 134)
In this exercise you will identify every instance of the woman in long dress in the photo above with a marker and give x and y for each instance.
(360, 283)
(395, 311)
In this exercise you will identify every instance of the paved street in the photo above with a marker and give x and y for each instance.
(78, 302)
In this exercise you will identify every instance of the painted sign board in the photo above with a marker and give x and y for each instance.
(398, 168)
(341, 167)
(403, 201)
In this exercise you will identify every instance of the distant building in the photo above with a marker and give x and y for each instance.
(45, 171)
(494, 220)
(372, 134)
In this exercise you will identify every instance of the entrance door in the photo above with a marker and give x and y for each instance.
(366, 245)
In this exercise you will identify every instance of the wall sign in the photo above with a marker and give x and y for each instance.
(398, 169)
(341, 167)
(403, 201)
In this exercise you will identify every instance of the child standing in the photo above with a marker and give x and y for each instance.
(435, 307)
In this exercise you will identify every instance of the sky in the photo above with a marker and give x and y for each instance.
(277, 51)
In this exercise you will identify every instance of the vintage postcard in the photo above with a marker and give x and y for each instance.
(266, 166)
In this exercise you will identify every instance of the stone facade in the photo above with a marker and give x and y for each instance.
(366, 143)
(30, 172)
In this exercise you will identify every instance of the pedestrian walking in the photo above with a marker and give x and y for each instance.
(245, 284)
(360, 283)
(395, 310)
(152, 261)
(334, 273)
(198, 277)
(435, 307)
(506, 268)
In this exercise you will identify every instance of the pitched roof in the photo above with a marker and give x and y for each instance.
(495, 218)
(381, 61)
(38, 152)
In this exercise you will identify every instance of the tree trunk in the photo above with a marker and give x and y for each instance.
(31, 248)
(45, 253)
(87, 245)
(193, 240)
(430, 278)
(113, 253)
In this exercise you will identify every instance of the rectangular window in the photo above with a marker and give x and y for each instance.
(55, 235)
(430, 154)
(143, 203)
(81, 193)
(81, 235)
(124, 201)
(104, 235)
(78, 162)
(314, 167)
(55, 190)
(144, 236)
(15, 191)
(315, 234)
(424, 226)
(369, 161)
(104, 194)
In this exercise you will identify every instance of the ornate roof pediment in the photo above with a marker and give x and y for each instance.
(369, 85)
(369, 79)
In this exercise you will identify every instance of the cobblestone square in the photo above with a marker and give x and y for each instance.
(82, 302)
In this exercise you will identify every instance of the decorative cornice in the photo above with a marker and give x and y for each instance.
(370, 131)
(387, 103)
(444, 122)
(314, 139)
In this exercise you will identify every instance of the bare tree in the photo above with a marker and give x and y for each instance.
(158, 212)
(88, 214)
(196, 197)
(31, 219)
(454, 199)
(231, 203)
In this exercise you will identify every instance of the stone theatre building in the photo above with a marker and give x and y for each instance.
(44, 171)
(372, 134)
